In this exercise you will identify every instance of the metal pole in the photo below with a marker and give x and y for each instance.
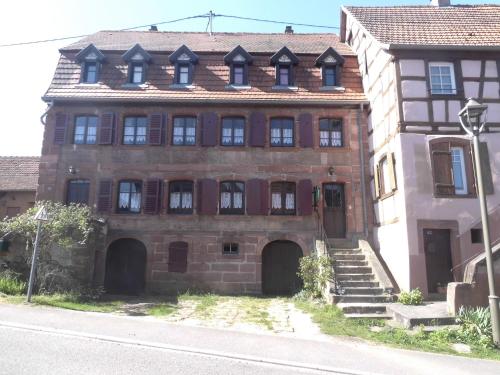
(362, 170)
(493, 299)
(33, 262)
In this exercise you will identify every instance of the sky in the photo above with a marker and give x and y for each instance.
(27, 70)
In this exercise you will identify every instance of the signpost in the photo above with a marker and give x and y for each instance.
(40, 216)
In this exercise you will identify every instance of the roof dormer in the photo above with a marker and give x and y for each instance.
(284, 60)
(138, 60)
(331, 63)
(90, 59)
(238, 60)
(184, 60)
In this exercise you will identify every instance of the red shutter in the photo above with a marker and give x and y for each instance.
(304, 197)
(105, 196)
(207, 197)
(156, 126)
(152, 196)
(306, 130)
(177, 256)
(257, 197)
(60, 128)
(209, 129)
(257, 129)
(442, 168)
(107, 129)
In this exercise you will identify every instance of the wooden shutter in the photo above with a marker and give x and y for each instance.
(442, 168)
(60, 128)
(207, 196)
(486, 168)
(304, 197)
(152, 196)
(376, 180)
(177, 256)
(105, 196)
(257, 197)
(107, 129)
(156, 128)
(209, 129)
(392, 170)
(306, 130)
(257, 129)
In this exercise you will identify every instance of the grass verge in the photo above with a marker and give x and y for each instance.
(332, 321)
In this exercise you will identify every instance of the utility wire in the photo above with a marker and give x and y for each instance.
(206, 15)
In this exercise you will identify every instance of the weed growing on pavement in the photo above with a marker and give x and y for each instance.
(162, 309)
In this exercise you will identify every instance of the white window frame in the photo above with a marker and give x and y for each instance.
(460, 150)
(439, 64)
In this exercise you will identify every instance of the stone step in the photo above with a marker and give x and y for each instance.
(363, 290)
(353, 263)
(362, 308)
(358, 284)
(369, 316)
(353, 270)
(332, 251)
(384, 298)
(347, 256)
(354, 277)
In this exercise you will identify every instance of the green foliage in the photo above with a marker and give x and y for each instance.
(413, 297)
(11, 284)
(475, 325)
(315, 271)
(68, 225)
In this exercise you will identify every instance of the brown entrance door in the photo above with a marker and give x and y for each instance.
(438, 263)
(334, 210)
(280, 264)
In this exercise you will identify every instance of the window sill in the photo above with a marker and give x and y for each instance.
(135, 86)
(332, 88)
(459, 196)
(285, 88)
(237, 87)
(387, 195)
(181, 86)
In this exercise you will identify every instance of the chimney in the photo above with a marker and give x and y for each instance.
(441, 3)
(153, 28)
(288, 30)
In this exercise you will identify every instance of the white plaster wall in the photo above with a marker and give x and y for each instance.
(471, 68)
(415, 68)
(415, 111)
(438, 110)
(413, 89)
(471, 89)
(491, 90)
(491, 69)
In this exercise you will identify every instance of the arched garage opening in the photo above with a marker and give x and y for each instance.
(280, 264)
(125, 267)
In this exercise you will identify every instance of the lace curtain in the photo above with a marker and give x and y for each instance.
(187, 200)
(276, 200)
(225, 200)
(175, 200)
(290, 201)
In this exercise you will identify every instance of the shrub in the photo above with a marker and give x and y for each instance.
(11, 284)
(315, 271)
(413, 297)
(475, 325)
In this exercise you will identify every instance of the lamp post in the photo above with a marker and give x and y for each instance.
(473, 119)
(40, 216)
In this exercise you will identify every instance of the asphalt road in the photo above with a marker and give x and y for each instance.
(37, 340)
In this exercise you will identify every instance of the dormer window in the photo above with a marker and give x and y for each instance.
(138, 60)
(238, 60)
(284, 60)
(330, 63)
(184, 60)
(90, 59)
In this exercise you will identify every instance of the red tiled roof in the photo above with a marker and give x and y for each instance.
(475, 26)
(211, 75)
(159, 41)
(18, 173)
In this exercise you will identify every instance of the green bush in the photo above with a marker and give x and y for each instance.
(413, 297)
(11, 284)
(315, 271)
(475, 325)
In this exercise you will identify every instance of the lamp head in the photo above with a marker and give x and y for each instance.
(471, 115)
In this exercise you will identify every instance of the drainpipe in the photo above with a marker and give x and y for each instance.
(362, 169)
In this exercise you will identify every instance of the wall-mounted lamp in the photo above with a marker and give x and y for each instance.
(331, 171)
(72, 170)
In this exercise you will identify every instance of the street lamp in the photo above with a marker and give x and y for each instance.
(473, 119)
(40, 217)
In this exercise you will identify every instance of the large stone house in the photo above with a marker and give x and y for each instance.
(418, 65)
(200, 153)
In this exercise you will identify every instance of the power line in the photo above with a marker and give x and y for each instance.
(210, 16)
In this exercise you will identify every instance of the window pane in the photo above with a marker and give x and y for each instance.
(238, 73)
(324, 138)
(290, 201)
(225, 200)
(386, 176)
(90, 73)
(187, 200)
(458, 167)
(283, 76)
(183, 74)
(276, 200)
(329, 76)
(78, 191)
(137, 74)
(175, 200)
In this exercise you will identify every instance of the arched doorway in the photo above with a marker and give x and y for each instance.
(125, 267)
(280, 264)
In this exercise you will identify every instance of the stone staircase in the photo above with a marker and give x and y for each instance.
(358, 292)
